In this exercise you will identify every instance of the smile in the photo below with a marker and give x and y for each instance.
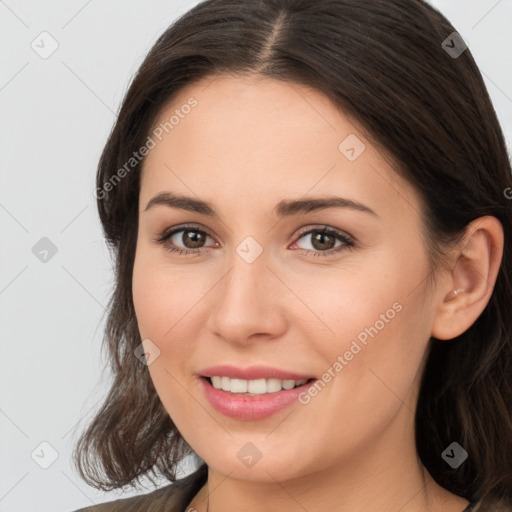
(254, 387)
(253, 393)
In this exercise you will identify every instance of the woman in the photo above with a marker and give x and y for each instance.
(307, 203)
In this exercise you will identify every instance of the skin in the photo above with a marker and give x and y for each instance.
(248, 144)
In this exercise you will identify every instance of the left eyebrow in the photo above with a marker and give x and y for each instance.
(284, 208)
(293, 207)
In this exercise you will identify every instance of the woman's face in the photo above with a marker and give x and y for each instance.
(273, 293)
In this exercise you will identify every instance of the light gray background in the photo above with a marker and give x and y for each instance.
(55, 116)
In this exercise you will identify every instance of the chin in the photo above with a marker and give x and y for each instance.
(256, 459)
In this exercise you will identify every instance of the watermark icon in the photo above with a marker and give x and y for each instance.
(351, 147)
(44, 250)
(249, 454)
(44, 455)
(454, 45)
(454, 455)
(348, 355)
(151, 142)
(147, 352)
(44, 45)
(508, 193)
(249, 249)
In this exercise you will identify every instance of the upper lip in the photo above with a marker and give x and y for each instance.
(252, 373)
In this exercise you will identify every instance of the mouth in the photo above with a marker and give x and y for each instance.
(254, 387)
(252, 394)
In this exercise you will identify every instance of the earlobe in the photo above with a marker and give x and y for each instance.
(471, 280)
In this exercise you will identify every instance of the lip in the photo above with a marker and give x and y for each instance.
(257, 407)
(252, 373)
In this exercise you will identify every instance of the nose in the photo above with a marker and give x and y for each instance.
(248, 303)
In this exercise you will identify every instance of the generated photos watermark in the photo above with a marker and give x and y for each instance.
(354, 349)
(151, 142)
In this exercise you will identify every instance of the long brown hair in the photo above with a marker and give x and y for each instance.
(384, 63)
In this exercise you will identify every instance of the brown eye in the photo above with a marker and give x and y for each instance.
(193, 239)
(323, 241)
(185, 240)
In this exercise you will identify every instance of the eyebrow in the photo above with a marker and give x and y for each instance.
(284, 208)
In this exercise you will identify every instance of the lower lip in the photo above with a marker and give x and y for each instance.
(256, 407)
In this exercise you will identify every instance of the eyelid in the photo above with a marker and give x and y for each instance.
(183, 227)
(301, 232)
(348, 241)
(324, 228)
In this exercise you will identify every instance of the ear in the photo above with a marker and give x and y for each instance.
(473, 277)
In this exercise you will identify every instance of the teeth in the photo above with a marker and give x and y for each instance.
(226, 383)
(254, 387)
(238, 386)
(273, 385)
(288, 384)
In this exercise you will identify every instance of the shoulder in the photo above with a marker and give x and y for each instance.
(170, 498)
(158, 500)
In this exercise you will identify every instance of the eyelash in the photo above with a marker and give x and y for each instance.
(348, 242)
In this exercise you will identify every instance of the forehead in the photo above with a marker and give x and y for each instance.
(249, 136)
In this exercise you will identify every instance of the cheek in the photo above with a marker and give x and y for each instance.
(164, 305)
(164, 297)
(378, 327)
(362, 301)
